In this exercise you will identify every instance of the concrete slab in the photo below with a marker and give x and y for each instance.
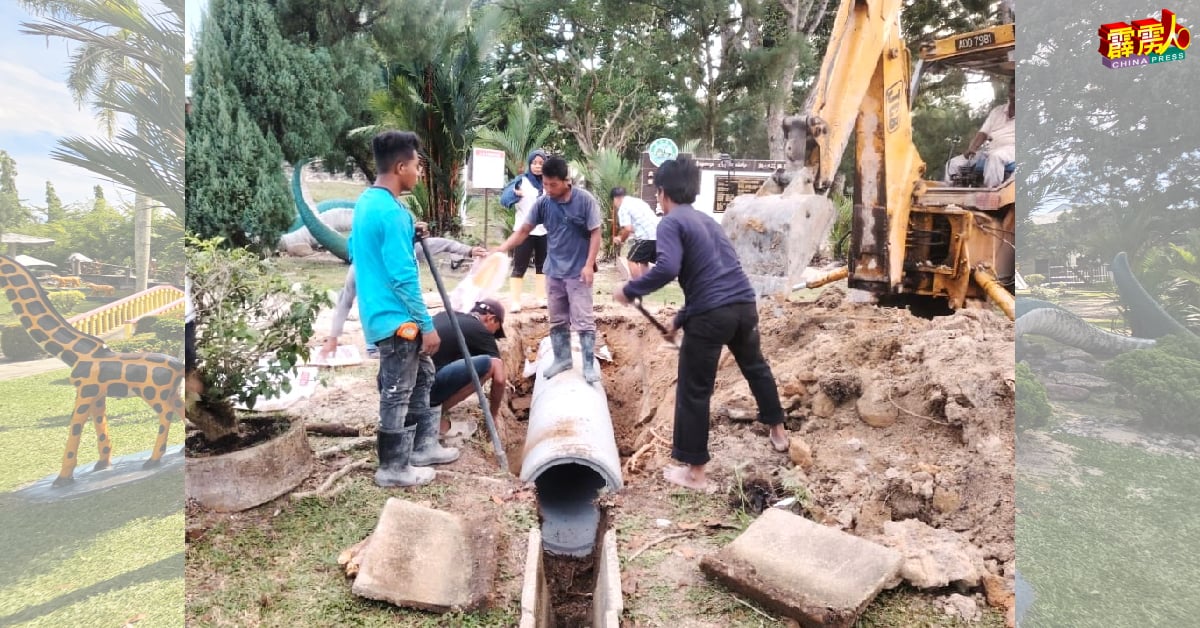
(607, 600)
(427, 559)
(537, 610)
(817, 575)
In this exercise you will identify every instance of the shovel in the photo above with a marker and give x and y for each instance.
(462, 346)
(662, 329)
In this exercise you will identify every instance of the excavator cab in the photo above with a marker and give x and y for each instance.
(988, 51)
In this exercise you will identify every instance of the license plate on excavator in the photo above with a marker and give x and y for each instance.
(776, 236)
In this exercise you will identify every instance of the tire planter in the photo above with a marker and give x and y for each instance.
(249, 477)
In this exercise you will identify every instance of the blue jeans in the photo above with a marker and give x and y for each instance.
(404, 380)
(454, 376)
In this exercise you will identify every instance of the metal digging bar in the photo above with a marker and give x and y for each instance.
(462, 346)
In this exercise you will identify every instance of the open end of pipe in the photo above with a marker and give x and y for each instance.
(566, 495)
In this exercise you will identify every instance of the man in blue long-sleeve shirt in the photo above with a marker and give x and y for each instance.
(394, 317)
(719, 311)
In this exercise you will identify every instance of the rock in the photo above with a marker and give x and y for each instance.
(822, 405)
(945, 500)
(817, 575)
(1073, 365)
(1082, 380)
(962, 607)
(741, 415)
(874, 408)
(841, 387)
(933, 557)
(1064, 392)
(999, 594)
(800, 453)
(453, 567)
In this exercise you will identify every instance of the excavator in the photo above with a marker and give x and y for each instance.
(914, 242)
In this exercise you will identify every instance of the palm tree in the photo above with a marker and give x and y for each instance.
(522, 133)
(434, 90)
(604, 171)
(128, 63)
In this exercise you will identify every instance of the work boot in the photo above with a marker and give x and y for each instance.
(395, 453)
(427, 450)
(539, 290)
(587, 351)
(560, 340)
(516, 285)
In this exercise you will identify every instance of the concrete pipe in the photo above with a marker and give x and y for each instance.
(570, 455)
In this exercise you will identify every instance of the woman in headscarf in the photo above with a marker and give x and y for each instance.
(534, 247)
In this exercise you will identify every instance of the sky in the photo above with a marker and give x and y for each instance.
(37, 110)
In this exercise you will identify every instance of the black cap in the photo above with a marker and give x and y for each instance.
(493, 307)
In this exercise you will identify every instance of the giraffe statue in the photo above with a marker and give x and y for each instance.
(97, 372)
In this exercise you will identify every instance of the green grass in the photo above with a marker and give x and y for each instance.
(331, 190)
(1118, 549)
(34, 415)
(285, 573)
(100, 559)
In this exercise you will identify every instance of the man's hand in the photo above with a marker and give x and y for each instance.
(329, 347)
(421, 229)
(478, 251)
(519, 191)
(587, 275)
(618, 241)
(672, 331)
(619, 295)
(430, 342)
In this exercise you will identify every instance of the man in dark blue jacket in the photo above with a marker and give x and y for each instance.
(719, 311)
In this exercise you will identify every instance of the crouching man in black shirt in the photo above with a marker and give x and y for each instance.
(481, 327)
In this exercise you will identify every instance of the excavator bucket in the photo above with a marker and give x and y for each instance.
(777, 235)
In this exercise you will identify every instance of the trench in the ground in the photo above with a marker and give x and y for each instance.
(571, 581)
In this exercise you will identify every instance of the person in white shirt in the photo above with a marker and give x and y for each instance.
(638, 221)
(1000, 131)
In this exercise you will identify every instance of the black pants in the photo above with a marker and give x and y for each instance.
(734, 326)
(189, 346)
(533, 246)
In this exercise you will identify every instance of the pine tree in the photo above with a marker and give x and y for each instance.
(235, 184)
(55, 211)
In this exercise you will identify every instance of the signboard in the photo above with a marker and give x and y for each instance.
(661, 150)
(487, 169)
(720, 182)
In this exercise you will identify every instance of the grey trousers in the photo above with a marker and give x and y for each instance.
(570, 302)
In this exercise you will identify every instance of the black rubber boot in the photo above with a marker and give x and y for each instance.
(426, 448)
(560, 340)
(587, 350)
(395, 452)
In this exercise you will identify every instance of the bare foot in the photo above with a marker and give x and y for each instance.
(685, 477)
(779, 439)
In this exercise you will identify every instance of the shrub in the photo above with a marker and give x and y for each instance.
(1033, 410)
(1164, 381)
(168, 328)
(246, 312)
(16, 345)
(145, 325)
(1035, 280)
(148, 343)
(65, 300)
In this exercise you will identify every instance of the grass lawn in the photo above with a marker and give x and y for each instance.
(101, 559)
(1117, 549)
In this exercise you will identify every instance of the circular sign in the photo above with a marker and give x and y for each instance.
(661, 150)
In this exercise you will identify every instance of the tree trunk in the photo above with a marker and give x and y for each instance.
(215, 418)
(141, 235)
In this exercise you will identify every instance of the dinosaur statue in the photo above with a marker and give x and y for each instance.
(1147, 319)
(97, 372)
(333, 241)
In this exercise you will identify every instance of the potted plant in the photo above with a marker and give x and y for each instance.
(252, 328)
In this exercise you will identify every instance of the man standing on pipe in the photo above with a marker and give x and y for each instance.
(572, 220)
(393, 315)
(719, 311)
